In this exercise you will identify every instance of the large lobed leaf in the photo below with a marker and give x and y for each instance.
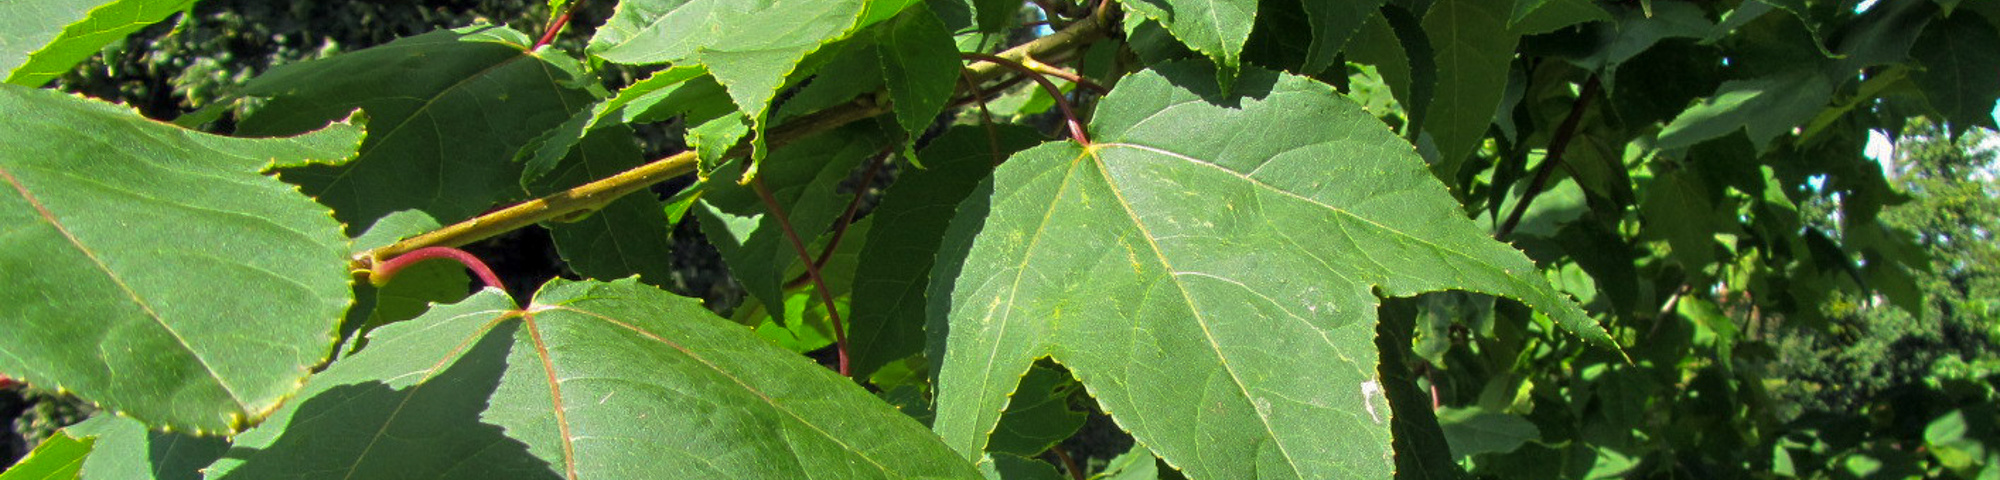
(1216, 292)
(592, 380)
(154, 270)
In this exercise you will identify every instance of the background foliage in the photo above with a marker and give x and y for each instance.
(1778, 301)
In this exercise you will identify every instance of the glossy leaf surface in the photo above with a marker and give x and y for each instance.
(1215, 293)
(155, 270)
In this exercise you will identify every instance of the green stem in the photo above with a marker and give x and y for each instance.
(812, 270)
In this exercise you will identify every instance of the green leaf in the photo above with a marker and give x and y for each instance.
(1474, 49)
(750, 47)
(60, 457)
(658, 97)
(811, 328)
(802, 178)
(1008, 466)
(1473, 431)
(125, 449)
(41, 39)
(1215, 28)
(1135, 464)
(627, 237)
(920, 69)
(593, 380)
(1765, 107)
(889, 301)
(160, 275)
(1682, 209)
(1154, 266)
(1327, 25)
(419, 93)
(1038, 414)
(1546, 16)
(1960, 70)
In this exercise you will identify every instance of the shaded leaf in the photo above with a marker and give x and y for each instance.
(1960, 69)
(1151, 265)
(627, 237)
(1765, 107)
(415, 287)
(125, 449)
(1473, 431)
(1551, 15)
(41, 39)
(803, 177)
(895, 266)
(596, 380)
(1474, 49)
(1038, 414)
(419, 93)
(170, 280)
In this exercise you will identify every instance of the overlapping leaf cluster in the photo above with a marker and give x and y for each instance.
(1599, 204)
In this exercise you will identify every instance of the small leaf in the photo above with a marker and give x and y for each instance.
(48, 37)
(208, 288)
(418, 92)
(59, 457)
(920, 69)
(1215, 28)
(593, 380)
(1474, 49)
(1151, 265)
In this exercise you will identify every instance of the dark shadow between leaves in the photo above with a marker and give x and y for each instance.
(427, 430)
(1198, 77)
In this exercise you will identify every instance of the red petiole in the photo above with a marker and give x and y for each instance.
(382, 272)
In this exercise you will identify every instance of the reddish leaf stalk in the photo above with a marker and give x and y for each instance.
(556, 25)
(846, 218)
(985, 116)
(1062, 102)
(812, 270)
(383, 272)
(1557, 146)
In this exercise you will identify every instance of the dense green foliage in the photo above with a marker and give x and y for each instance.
(1243, 238)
